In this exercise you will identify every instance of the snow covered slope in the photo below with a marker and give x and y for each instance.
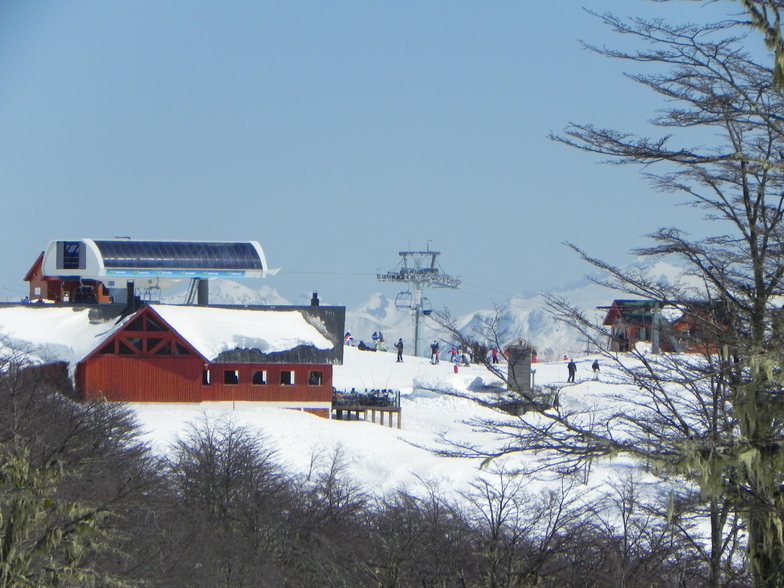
(382, 458)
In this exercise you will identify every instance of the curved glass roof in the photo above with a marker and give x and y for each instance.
(179, 255)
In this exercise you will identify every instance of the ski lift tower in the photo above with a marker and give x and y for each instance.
(418, 269)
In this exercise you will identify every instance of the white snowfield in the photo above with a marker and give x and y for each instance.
(51, 333)
(380, 458)
(383, 458)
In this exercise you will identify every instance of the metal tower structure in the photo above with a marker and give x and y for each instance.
(419, 269)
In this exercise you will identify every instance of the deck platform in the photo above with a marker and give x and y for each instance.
(355, 406)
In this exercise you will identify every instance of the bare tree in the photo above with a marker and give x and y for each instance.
(524, 538)
(69, 475)
(420, 540)
(715, 417)
(232, 496)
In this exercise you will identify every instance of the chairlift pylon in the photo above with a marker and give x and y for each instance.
(420, 270)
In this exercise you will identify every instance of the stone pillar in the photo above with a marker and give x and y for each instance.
(520, 369)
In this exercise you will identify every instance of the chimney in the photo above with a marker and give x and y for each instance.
(203, 292)
(315, 300)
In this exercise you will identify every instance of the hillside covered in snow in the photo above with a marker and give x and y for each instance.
(384, 458)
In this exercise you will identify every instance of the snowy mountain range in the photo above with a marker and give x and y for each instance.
(523, 316)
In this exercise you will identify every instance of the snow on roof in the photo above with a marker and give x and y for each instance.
(212, 331)
(58, 333)
(51, 333)
(671, 313)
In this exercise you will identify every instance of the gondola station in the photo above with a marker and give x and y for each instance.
(93, 316)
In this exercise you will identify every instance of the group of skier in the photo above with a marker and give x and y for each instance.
(378, 341)
(458, 355)
(571, 367)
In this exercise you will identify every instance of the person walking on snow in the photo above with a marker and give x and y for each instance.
(494, 354)
(399, 346)
(381, 345)
(465, 357)
(572, 367)
(595, 368)
(434, 353)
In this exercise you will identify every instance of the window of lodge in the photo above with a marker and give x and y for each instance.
(231, 377)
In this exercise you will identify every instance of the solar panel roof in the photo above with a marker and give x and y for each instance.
(179, 255)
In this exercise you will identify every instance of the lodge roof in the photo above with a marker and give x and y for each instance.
(58, 333)
(213, 331)
(124, 253)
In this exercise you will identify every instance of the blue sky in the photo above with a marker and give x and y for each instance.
(337, 134)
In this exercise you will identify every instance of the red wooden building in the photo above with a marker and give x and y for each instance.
(216, 354)
(282, 356)
(630, 321)
(688, 327)
(133, 352)
(57, 289)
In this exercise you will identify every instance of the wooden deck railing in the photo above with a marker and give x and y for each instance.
(352, 403)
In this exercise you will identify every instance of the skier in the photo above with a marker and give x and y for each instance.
(465, 357)
(572, 367)
(434, 353)
(399, 346)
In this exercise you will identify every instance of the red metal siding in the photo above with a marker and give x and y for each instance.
(147, 361)
(141, 379)
(324, 413)
(272, 391)
(135, 378)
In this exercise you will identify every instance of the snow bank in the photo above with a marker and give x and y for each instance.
(215, 330)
